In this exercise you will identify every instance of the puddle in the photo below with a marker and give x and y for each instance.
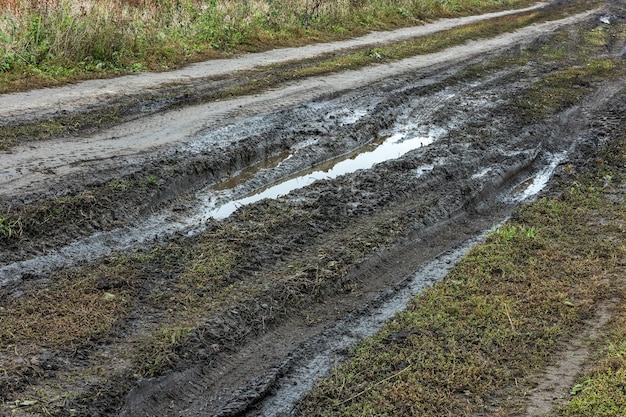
(393, 147)
(530, 187)
(160, 225)
(249, 173)
(481, 174)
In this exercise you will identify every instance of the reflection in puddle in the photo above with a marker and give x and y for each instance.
(532, 186)
(393, 147)
(419, 171)
(482, 173)
(248, 173)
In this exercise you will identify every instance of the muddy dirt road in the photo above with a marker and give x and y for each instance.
(244, 244)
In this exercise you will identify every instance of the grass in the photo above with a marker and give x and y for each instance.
(10, 228)
(70, 313)
(475, 339)
(563, 88)
(52, 42)
(87, 210)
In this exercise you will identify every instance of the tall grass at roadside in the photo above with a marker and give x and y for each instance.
(65, 39)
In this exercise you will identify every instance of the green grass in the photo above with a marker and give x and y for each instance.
(10, 228)
(563, 88)
(601, 392)
(72, 312)
(56, 42)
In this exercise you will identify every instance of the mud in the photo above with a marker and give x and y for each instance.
(175, 178)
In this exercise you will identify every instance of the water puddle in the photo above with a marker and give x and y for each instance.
(481, 174)
(159, 225)
(393, 147)
(249, 173)
(530, 187)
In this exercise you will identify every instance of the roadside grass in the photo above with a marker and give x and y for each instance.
(564, 87)
(471, 343)
(52, 42)
(273, 76)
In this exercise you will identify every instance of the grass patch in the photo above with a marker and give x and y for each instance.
(89, 210)
(10, 228)
(563, 88)
(474, 339)
(69, 313)
(64, 40)
(57, 126)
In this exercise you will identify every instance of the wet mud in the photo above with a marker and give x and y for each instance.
(422, 162)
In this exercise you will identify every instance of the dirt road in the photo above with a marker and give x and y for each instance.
(316, 202)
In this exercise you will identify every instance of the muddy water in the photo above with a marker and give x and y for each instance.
(165, 224)
(394, 147)
(532, 186)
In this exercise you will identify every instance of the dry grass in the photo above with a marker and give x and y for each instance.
(68, 313)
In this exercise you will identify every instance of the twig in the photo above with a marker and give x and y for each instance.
(375, 385)
(508, 315)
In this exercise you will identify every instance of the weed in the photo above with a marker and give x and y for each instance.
(510, 232)
(563, 88)
(158, 352)
(10, 228)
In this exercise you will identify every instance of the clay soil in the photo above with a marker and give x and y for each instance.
(208, 315)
